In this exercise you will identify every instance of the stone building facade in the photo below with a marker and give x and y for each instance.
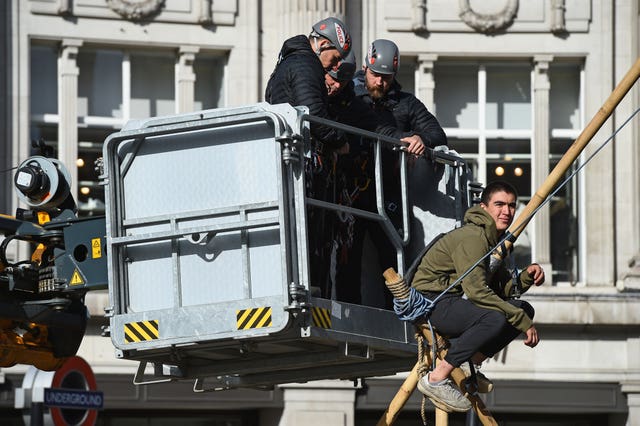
(513, 83)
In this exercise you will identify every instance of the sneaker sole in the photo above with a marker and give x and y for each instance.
(442, 405)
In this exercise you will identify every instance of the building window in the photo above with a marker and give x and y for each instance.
(566, 121)
(114, 86)
(486, 109)
(209, 90)
(152, 84)
(43, 82)
(508, 94)
(406, 74)
(100, 84)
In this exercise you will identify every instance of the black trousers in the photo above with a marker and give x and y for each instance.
(348, 275)
(349, 272)
(472, 329)
(359, 172)
(321, 223)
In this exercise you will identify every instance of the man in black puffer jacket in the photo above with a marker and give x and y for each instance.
(298, 78)
(377, 86)
(345, 107)
(345, 173)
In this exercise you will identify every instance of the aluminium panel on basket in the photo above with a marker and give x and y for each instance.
(199, 226)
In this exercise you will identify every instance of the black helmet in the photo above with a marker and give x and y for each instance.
(346, 68)
(383, 57)
(336, 32)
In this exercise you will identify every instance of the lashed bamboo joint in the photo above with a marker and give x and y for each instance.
(398, 287)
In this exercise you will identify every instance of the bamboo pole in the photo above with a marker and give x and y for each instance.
(400, 398)
(404, 393)
(400, 290)
(515, 229)
(570, 156)
(442, 417)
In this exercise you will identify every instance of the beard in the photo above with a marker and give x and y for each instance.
(376, 93)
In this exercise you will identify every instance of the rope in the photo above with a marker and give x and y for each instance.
(509, 236)
(423, 410)
(8, 170)
(413, 307)
(410, 305)
(423, 369)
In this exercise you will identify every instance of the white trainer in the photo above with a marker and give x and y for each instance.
(444, 395)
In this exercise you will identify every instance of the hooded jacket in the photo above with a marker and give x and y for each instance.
(403, 111)
(454, 253)
(298, 79)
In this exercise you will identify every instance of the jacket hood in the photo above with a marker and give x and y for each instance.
(358, 83)
(477, 216)
(295, 45)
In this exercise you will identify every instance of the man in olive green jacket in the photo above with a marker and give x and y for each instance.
(480, 312)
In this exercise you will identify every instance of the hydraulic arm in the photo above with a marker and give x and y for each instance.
(42, 312)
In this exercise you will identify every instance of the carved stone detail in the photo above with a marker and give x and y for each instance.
(64, 8)
(206, 17)
(419, 23)
(558, 9)
(488, 23)
(630, 280)
(135, 10)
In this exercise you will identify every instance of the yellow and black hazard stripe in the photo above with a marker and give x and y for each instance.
(253, 318)
(321, 317)
(141, 331)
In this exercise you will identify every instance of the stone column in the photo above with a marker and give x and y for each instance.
(68, 108)
(631, 385)
(6, 179)
(369, 27)
(321, 403)
(632, 390)
(185, 79)
(627, 151)
(540, 160)
(298, 17)
(426, 82)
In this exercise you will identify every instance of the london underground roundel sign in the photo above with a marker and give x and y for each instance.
(73, 398)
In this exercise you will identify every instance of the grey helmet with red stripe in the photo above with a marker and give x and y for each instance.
(383, 57)
(346, 68)
(336, 32)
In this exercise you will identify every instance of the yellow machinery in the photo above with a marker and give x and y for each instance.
(42, 311)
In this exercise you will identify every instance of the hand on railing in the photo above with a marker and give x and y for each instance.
(415, 147)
